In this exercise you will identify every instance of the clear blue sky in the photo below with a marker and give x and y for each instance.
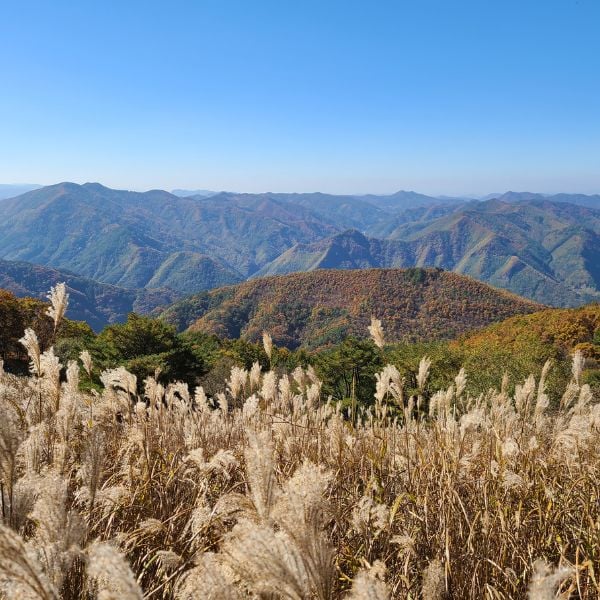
(339, 96)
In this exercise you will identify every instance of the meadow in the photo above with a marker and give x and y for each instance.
(270, 489)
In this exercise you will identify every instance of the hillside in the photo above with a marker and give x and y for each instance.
(565, 330)
(96, 303)
(347, 250)
(322, 307)
(548, 251)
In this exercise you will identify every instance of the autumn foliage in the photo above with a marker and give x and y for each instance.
(321, 308)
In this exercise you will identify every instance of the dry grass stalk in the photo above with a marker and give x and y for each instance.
(266, 491)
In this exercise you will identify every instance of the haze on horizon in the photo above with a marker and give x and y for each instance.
(462, 98)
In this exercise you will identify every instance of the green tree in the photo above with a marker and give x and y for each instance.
(349, 369)
(146, 346)
(73, 338)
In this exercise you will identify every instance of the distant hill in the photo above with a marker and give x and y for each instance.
(406, 200)
(541, 249)
(580, 199)
(347, 250)
(186, 193)
(96, 303)
(322, 307)
(127, 238)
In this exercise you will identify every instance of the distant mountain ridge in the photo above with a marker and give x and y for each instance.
(134, 239)
(122, 237)
(539, 249)
(186, 193)
(545, 248)
(591, 201)
(322, 307)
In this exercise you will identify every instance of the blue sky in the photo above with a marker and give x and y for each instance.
(440, 96)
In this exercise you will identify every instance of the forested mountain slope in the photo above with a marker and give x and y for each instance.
(543, 250)
(132, 239)
(321, 307)
(96, 303)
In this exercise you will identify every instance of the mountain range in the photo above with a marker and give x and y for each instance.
(540, 249)
(546, 248)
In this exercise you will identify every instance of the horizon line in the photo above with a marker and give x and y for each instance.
(192, 189)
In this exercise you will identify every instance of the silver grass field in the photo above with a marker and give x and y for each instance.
(268, 491)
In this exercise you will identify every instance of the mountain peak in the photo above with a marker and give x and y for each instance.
(94, 185)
